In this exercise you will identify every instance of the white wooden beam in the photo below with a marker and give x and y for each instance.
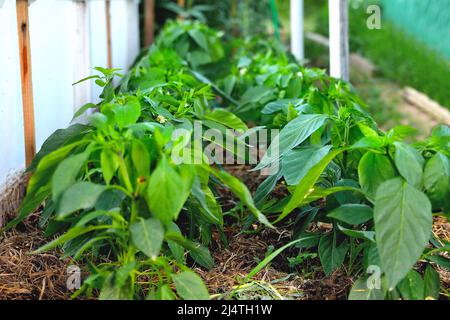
(81, 53)
(297, 34)
(339, 46)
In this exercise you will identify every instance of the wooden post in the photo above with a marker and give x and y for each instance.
(108, 32)
(182, 5)
(339, 46)
(149, 21)
(297, 37)
(81, 51)
(23, 28)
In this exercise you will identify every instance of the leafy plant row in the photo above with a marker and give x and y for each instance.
(114, 197)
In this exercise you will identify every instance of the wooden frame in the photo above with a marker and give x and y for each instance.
(108, 33)
(23, 28)
(149, 21)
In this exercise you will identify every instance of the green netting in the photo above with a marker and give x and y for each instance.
(428, 20)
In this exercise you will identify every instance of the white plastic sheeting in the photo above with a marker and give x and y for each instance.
(68, 38)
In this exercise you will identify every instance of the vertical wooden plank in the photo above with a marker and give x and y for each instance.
(297, 29)
(25, 75)
(149, 21)
(81, 62)
(108, 32)
(339, 45)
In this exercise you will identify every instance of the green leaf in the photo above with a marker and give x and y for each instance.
(199, 253)
(29, 204)
(360, 291)
(279, 105)
(199, 38)
(165, 293)
(58, 139)
(364, 235)
(226, 118)
(291, 136)
(190, 286)
(373, 170)
(440, 260)
(207, 204)
(109, 161)
(66, 173)
(296, 163)
(432, 283)
(412, 286)
(176, 249)
(352, 213)
(306, 186)
(140, 158)
(331, 255)
(69, 235)
(409, 163)
(437, 181)
(81, 195)
(167, 192)
(241, 191)
(255, 94)
(148, 236)
(110, 291)
(83, 109)
(403, 221)
(128, 113)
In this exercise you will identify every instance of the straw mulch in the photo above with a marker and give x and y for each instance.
(27, 276)
(11, 195)
(232, 265)
(441, 229)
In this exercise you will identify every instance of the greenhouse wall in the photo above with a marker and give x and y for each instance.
(67, 39)
(427, 20)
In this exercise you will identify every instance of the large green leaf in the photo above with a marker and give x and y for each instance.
(226, 118)
(437, 181)
(292, 135)
(167, 192)
(403, 221)
(81, 195)
(352, 213)
(66, 173)
(148, 236)
(190, 286)
(306, 186)
(296, 163)
(58, 139)
(330, 253)
(360, 291)
(373, 170)
(409, 163)
(128, 113)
